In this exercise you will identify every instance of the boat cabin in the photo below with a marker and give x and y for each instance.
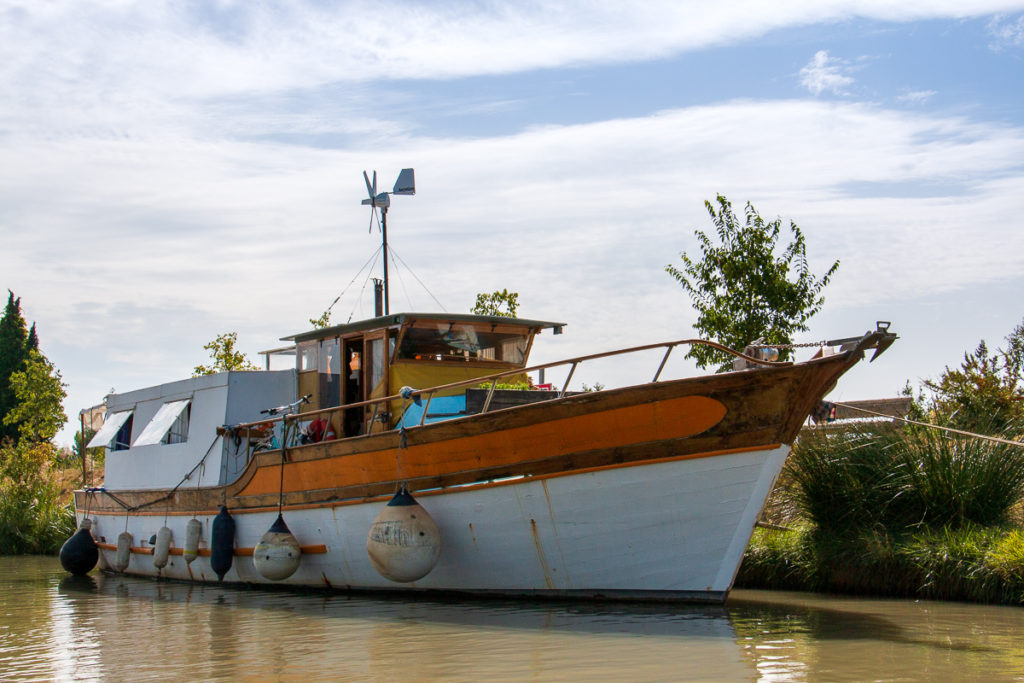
(156, 436)
(356, 362)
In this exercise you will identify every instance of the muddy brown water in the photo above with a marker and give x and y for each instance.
(54, 627)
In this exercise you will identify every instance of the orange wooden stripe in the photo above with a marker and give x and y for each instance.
(658, 420)
(319, 549)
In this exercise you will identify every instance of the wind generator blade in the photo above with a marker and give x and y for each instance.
(406, 183)
(372, 191)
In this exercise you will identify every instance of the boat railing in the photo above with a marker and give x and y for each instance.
(262, 434)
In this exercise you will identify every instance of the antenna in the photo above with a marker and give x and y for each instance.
(405, 185)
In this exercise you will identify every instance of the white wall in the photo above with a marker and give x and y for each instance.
(220, 399)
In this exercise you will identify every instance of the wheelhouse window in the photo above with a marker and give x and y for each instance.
(169, 425)
(307, 356)
(116, 432)
(330, 373)
(443, 341)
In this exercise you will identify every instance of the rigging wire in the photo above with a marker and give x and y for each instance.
(397, 272)
(354, 278)
(402, 261)
(359, 299)
(996, 439)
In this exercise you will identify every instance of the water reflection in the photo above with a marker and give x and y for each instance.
(801, 636)
(100, 627)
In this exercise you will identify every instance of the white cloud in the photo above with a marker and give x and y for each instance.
(1006, 33)
(917, 96)
(825, 73)
(116, 68)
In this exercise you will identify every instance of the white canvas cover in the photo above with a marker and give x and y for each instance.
(161, 422)
(109, 429)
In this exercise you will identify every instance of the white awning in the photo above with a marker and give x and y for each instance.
(109, 429)
(161, 422)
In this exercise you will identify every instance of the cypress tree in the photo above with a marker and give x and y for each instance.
(14, 340)
(32, 343)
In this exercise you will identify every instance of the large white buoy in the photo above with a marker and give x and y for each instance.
(193, 530)
(162, 548)
(404, 542)
(277, 554)
(124, 551)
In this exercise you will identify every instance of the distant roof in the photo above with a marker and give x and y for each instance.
(401, 318)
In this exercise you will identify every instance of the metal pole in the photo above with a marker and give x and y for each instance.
(384, 231)
(81, 444)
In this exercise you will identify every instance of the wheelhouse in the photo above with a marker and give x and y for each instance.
(357, 362)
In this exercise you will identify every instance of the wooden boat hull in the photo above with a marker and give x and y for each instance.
(647, 492)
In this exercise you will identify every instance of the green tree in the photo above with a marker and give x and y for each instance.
(34, 515)
(743, 289)
(14, 347)
(503, 304)
(323, 321)
(225, 357)
(984, 394)
(39, 396)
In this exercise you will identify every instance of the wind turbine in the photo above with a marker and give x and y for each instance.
(406, 184)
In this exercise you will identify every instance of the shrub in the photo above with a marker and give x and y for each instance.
(33, 516)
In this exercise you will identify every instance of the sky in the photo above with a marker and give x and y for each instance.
(170, 171)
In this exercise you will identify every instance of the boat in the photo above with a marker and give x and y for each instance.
(414, 452)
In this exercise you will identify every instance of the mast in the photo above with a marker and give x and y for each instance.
(406, 184)
(384, 232)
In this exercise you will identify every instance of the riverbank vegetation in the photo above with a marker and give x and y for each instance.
(876, 508)
(35, 511)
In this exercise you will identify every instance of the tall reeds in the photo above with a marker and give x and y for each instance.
(903, 480)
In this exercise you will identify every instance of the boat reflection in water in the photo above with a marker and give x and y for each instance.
(164, 629)
(109, 627)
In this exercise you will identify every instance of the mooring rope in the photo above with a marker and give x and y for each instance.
(996, 439)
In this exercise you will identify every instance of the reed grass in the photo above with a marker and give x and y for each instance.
(975, 564)
(896, 512)
(847, 481)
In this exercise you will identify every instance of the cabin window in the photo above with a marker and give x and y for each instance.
(178, 433)
(123, 438)
(307, 356)
(116, 432)
(330, 373)
(169, 425)
(442, 341)
(375, 361)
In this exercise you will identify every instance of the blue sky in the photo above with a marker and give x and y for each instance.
(171, 171)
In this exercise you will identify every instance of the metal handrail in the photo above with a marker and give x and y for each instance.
(493, 379)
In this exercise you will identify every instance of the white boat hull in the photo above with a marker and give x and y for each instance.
(672, 529)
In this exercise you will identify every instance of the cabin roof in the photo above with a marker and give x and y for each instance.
(402, 318)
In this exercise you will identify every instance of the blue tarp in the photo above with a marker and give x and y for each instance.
(441, 408)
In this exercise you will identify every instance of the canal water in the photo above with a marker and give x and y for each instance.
(108, 628)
